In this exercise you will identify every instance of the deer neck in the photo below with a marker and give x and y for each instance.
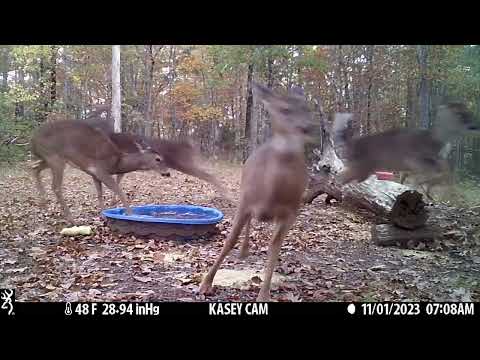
(130, 162)
(288, 143)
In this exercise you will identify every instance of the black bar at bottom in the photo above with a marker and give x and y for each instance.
(238, 310)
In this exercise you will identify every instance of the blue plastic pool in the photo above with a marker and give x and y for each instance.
(185, 222)
(168, 214)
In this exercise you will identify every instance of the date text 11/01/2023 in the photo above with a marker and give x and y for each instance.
(417, 309)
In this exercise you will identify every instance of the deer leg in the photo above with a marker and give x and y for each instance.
(244, 247)
(281, 229)
(108, 180)
(98, 187)
(403, 177)
(37, 169)
(238, 223)
(119, 178)
(58, 167)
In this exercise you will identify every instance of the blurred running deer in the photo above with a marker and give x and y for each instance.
(273, 180)
(182, 156)
(79, 144)
(411, 150)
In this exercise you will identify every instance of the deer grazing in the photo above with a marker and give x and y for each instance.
(182, 156)
(273, 180)
(416, 151)
(178, 155)
(79, 144)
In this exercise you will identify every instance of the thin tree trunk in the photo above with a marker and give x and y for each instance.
(5, 67)
(67, 85)
(149, 64)
(423, 91)
(370, 50)
(116, 94)
(53, 77)
(19, 107)
(172, 74)
(248, 111)
(267, 125)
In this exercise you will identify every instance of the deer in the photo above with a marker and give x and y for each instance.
(180, 155)
(408, 150)
(74, 142)
(273, 180)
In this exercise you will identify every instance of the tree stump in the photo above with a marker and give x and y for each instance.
(408, 211)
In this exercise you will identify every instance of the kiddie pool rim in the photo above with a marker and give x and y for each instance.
(217, 215)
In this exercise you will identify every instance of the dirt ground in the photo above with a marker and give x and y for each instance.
(327, 256)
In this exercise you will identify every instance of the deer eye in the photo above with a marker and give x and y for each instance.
(158, 159)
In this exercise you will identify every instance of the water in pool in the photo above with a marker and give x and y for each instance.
(174, 215)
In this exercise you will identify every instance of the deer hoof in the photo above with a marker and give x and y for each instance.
(243, 254)
(263, 297)
(206, 288)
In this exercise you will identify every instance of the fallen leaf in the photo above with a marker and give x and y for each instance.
(19, 270)
(377, 267)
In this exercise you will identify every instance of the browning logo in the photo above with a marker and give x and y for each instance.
(7, 296)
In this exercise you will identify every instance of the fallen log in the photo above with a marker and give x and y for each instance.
(391, 235)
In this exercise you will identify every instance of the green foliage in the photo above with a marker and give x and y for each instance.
(12, 132)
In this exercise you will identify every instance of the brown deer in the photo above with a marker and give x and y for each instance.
(409, 150)
(79, 144)
(273, 180)
(182, 156)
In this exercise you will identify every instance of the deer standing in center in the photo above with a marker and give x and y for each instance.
(273, 180)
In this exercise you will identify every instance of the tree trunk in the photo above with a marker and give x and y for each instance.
(172, 75)
(149, 64)
(248, 112)
(19, 107)
(423, 90)
(267, 124)
(411, 101)
(370, 50)
(53, 76)
(116, 94)
(5, 62)
(67, 85)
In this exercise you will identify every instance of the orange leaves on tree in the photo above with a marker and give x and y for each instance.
(204, 113)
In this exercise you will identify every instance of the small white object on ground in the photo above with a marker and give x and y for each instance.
(76, 230)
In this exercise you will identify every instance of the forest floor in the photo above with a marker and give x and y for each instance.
(327, 256)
